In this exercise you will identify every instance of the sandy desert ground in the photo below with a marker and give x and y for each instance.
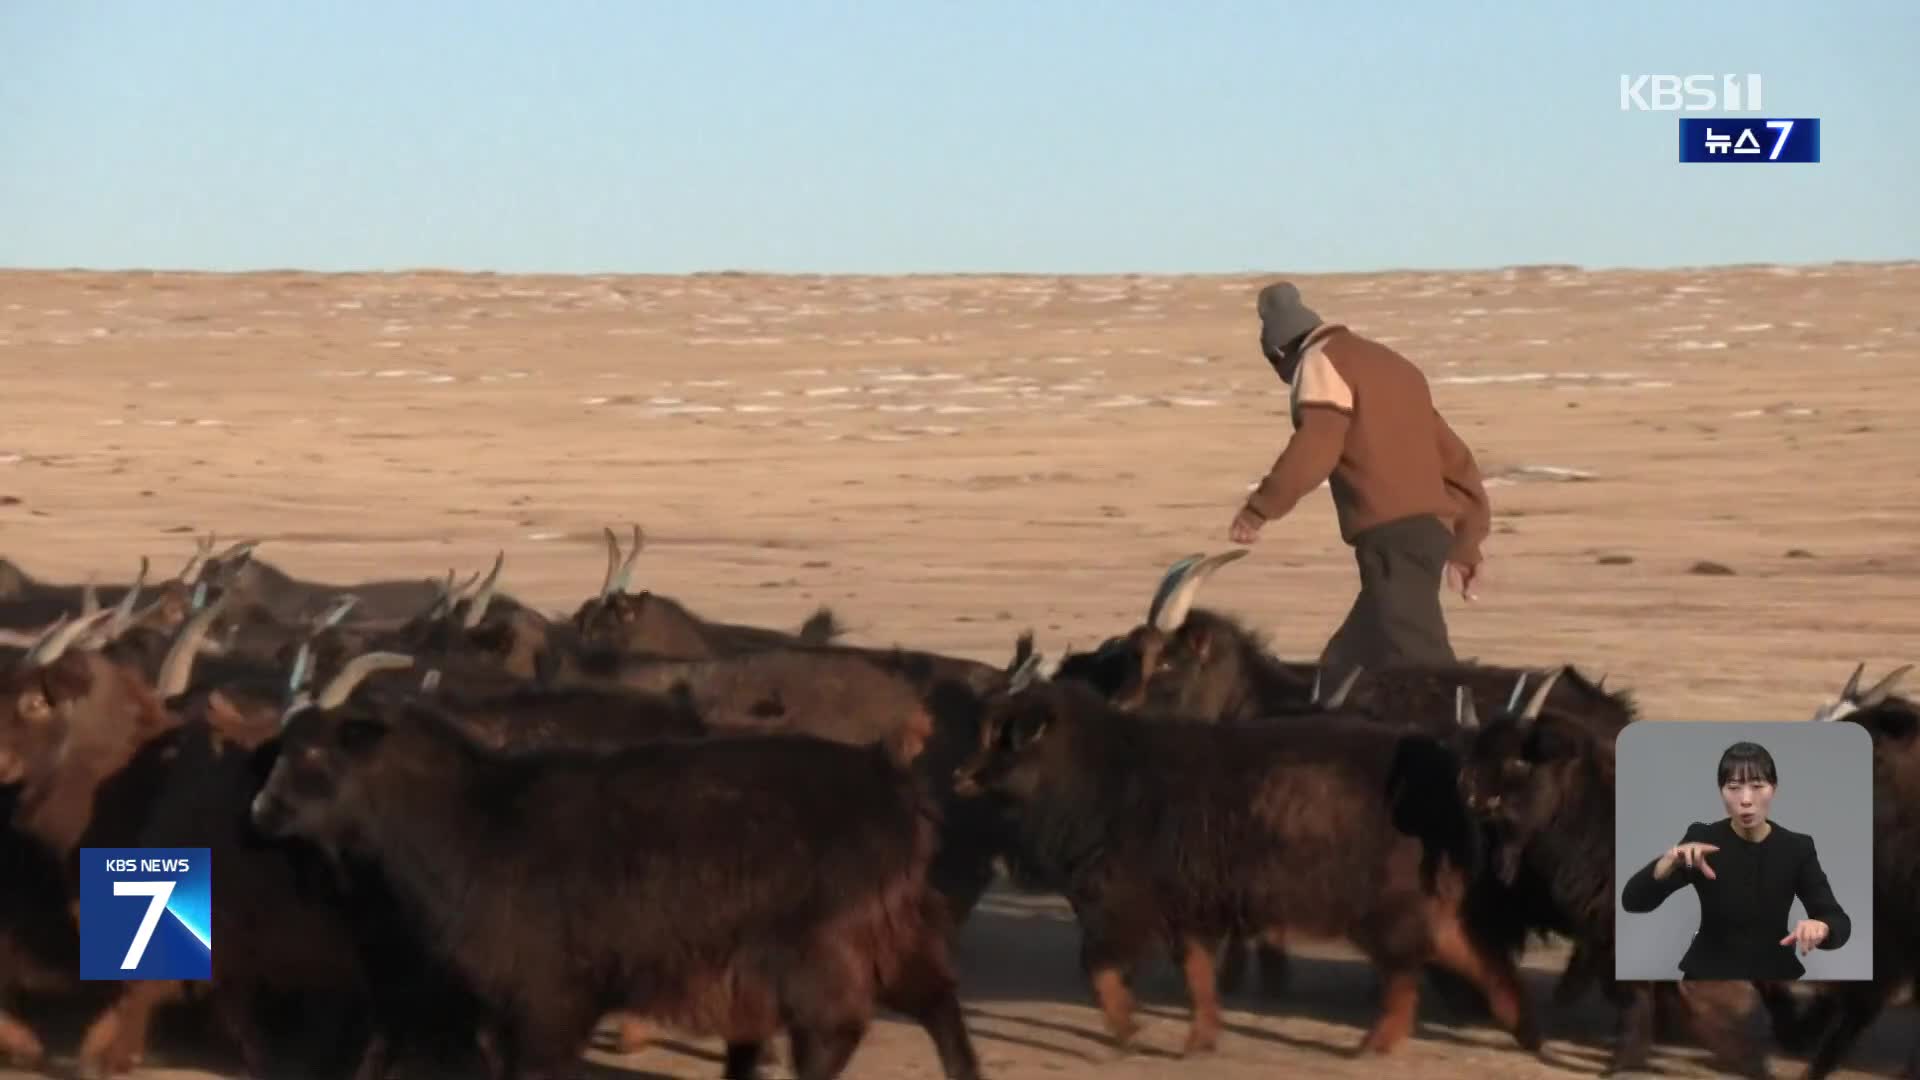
(950, 460)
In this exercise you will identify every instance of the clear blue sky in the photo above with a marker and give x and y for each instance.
(996, 135)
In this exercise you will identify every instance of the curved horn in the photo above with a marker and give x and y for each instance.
(1182, 583)
(176, 670)
(202, 547)
(621, 579)
(301, 671)
(1464, 714)
(237, 551)
(1340, 693)
(477, 607)
(61, 637)
(89, 598)
(331, 617)
(1026, 674)
(443, 599)
(1853, 682)
(1882, 690)
(613, 561)
(450, 596)
(1513, 700)
(1539, 699)
(123, 611)
(342, 685)
(1168, 584)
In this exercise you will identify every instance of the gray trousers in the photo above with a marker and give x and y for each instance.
(1396, 619)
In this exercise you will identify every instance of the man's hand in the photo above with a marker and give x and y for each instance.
(1808, 935)
(1461, 576)
(1246, 526)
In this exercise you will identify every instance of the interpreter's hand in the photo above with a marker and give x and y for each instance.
(1246, 526)
(1691, 854)
(1460, 578)
(1809, 934)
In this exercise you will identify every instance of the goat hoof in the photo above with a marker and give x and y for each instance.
(19, 1047)
(1198, 1047)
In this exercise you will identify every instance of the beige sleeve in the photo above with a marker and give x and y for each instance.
(1318, 382)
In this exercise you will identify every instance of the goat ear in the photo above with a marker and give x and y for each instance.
(1199, 639)
(69, 677)
(361, 734)
(32, 706)
(1030, 729)
(220, 711)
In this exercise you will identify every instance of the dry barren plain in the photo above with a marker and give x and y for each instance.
(950, 460)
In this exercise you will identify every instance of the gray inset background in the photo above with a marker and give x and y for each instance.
(1666, 780)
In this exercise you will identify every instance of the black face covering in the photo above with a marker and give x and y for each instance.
(1283, 357)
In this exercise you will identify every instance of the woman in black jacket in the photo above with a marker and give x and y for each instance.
(1746, 871)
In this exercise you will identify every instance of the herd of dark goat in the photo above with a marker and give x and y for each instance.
(452, 833)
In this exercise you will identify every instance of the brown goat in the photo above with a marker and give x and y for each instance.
(648, 623)
(1545, 782)
(1319, 826)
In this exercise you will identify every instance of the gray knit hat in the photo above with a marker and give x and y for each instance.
(1282, 316)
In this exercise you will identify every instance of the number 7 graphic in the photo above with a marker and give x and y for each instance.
(1785, 128)
(158, 891)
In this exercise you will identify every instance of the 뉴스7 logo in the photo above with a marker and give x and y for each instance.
(1665, 93)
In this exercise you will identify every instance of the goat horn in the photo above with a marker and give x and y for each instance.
(1513, 699)
(1464, 714)
(1883, 689)
(613, 561)
(1339, 697)
(1853, 682)
(301, 670)
(17, 639)
(202, 547)
(1539, 699)
(443, 598)
(331, 617)
(625, 576)
(123, 611)
(1314, 694)
(40, 639)
(61, 637)
(1026, 674)
(342, 685)
(239, 550)
(176, 670)
(1175, 596)
(477, 607)
(1168, 583)
(89, 598)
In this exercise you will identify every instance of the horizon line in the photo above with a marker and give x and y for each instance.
(443, 271)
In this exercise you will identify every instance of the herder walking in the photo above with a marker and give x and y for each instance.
(1407, 493)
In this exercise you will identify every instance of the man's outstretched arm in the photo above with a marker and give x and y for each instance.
(1306, 462)
(1473, 514)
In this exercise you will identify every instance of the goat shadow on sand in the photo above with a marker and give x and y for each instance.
(1021, 948)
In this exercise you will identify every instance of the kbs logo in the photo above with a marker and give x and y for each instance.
(1690, 93)
(146, 913)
